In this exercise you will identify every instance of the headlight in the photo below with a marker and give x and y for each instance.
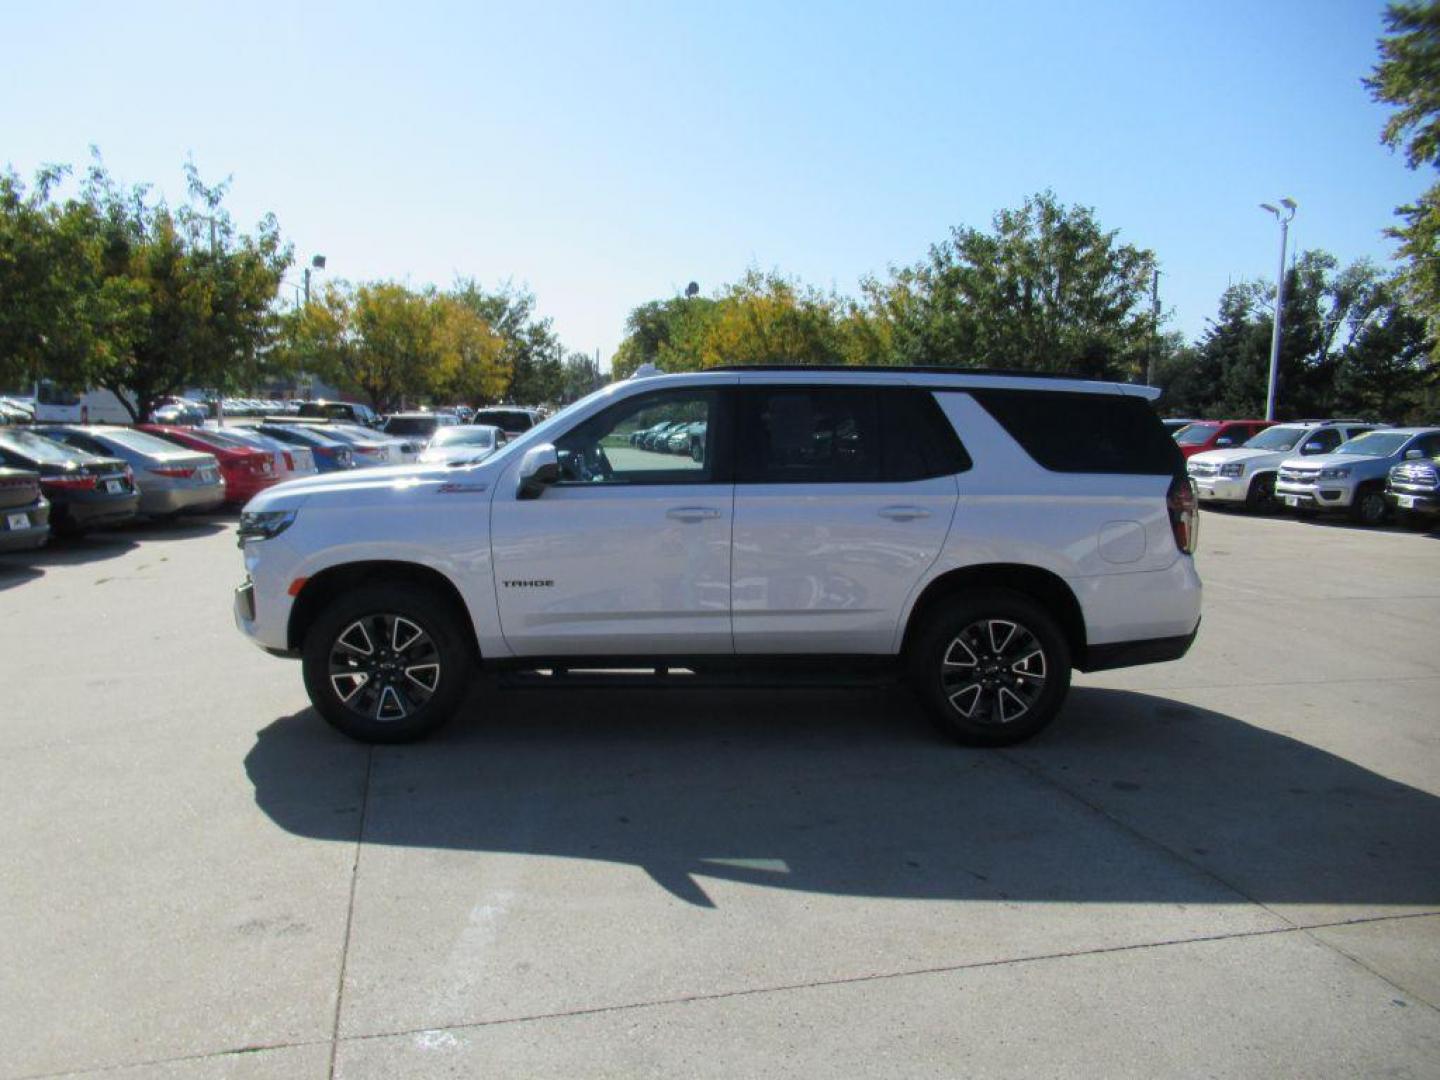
(1232, 470)
(1340, 472)
(264, 524)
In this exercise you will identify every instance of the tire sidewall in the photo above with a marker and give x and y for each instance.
(952, 616)
(426, 609)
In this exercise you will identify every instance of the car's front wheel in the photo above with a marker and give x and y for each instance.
(993, 666)
(1369, 507)
(387, 663)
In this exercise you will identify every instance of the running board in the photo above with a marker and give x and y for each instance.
(768, 675)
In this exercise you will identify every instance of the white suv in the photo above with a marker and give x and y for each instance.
(982, 534)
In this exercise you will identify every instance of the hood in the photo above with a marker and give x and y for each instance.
(1329, 461)
(368, 487)
(1232, 454)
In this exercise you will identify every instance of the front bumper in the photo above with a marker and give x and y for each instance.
(1322, 495)
(1220, 488)
(1417, 502)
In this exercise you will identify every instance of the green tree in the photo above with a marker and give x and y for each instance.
(532, 354)
(581, 375)
(663, 332)
(1046, 290)
(378, 340)
(1408, 77)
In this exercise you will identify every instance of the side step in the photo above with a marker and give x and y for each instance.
(857, 672)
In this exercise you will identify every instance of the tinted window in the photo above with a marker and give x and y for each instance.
(600, 450)
(823, 435)
(410, 425)
(1087, 433)
(1328, 438)
(511, 420)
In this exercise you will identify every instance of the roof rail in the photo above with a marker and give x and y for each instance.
(912, 369)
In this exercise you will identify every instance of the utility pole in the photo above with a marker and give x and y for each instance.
(1154, 328)
(1284, 219)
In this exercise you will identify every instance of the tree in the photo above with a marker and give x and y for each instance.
(581, 375)
(663, 333)
(1408, 76)
(1046, 290)
(377, 340)
(532, 351)
(194, 303)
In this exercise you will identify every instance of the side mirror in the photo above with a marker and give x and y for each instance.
(1313, 447)
(1224, 440)
(1414, 454)
(538, 468)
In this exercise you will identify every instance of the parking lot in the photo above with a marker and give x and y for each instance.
(1226, 866)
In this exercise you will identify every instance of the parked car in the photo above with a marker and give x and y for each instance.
(1217, 434)
(1245, 475)
(171, 479)
(1353, 478)
(352, 411)
(180, 411)
(85, 491)
(685, 439)
(330, 455)
(1174, 425)
(368, 447)
(827, 526)
(511, 419)
(463, 444)
(1413, 489)
(291, 462)
(24, 511)
(245, 470)
(417, 425)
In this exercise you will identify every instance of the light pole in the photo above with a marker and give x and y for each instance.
(318, 262)
(1284, 218)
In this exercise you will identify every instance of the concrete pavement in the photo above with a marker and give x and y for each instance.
(1225, 866)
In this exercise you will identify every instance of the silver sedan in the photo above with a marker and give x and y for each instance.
(171, 479)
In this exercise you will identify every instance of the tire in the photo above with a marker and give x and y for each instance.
(1369, 507)
(1260, 498)
(994, 635)
(390, 694)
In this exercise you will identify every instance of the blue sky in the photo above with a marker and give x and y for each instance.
(606, 154)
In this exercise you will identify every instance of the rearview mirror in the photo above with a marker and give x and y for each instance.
(538, 468)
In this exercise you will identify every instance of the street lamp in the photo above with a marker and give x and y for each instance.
(1284, 218)
(318, 262)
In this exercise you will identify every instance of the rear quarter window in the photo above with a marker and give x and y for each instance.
(1085, 433)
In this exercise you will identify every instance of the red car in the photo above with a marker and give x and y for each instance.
(1218, 434)
(245, 470)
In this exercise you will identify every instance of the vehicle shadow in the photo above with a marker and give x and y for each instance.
(1429, 529)
(849, 793)
(13, 570)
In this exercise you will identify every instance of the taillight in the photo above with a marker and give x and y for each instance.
(289, 461)
(1184, 510)
(77, 481)
(175, 473)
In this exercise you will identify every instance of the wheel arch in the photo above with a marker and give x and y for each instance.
(1044, 586)
(333, 581)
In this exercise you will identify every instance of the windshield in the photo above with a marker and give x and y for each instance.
(410, 425)
(37, 448)
(466, 436)
(1375, 444)
(542, 431)
(1277, 438)
(1195, 434)
(141, 442)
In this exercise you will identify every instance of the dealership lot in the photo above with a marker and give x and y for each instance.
(1228, 866)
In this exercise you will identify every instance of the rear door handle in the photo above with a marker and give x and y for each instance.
(692, 513)
(904, 513)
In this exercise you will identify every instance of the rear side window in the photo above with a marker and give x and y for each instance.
(828, 434)
(1085, 433)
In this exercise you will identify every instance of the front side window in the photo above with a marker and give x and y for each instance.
(1195, 434)
(601, 451)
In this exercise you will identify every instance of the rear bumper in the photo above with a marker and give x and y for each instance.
(1134, 653)
(242, 488)
(89, 512)
(177, 500)
(29, 536)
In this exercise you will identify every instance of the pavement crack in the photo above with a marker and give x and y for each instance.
(880, 976)
(350, 909)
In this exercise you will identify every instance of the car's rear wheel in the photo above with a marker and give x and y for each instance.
(993, 666)
(387, 663)
(1260, 496)
(1369, 507)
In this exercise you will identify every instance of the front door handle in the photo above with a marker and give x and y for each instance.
(692, 513)
(904, 513)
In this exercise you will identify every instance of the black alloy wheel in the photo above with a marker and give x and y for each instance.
(388, 663)
(1370, 507)
(992, 665)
